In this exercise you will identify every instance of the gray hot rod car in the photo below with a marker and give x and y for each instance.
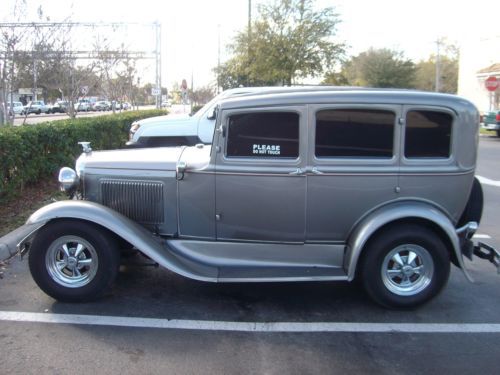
(298, 186)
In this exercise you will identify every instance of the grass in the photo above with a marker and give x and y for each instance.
(15, 211)
(487, 132)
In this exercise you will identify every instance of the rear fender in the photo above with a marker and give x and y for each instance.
(398, 212)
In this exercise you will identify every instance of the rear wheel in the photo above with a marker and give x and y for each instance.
(73, 261)
(405, 266)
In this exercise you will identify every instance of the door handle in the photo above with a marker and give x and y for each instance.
(316, 171)
(297, 172)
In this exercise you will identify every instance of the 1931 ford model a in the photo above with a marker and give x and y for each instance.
(370, 184)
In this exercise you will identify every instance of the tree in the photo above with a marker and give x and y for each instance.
(11, 38)
(448, 66)
(201, 95)
(288, 41)
(379, 68)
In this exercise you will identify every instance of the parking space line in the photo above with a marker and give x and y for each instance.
(487, 181)
(205, 325)
(481, 236)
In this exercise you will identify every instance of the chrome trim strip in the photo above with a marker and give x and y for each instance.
(283, 279)
(339, 174)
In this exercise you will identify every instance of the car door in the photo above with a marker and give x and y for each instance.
(354, 166)
(260, 174)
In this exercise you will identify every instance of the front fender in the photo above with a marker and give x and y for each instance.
(154, 247)
(398, 211)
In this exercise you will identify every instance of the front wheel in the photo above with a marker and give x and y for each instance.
(73, 261)
(405, 266)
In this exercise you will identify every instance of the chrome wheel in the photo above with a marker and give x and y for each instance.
(71, 261)
(407, 270)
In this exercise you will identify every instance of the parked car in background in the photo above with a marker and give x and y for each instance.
(126, 106)
(17, 108)
(166, 104)
(83, 105)
(116, 105)
(299, 186)
(491, 121)
(37, 107)
(189, 130)
(60, 106)
(101, 105)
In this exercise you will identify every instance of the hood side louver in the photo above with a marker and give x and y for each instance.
(141, 201)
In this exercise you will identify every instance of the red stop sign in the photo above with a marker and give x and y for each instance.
(491, 83)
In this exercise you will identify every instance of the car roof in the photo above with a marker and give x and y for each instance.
(347, 95)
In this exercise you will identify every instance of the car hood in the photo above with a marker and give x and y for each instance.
(158, 159)
(164, 119)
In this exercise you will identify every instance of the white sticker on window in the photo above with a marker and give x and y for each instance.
(273, 150)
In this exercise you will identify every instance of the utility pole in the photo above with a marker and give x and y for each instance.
(218, 58)
(249, 19)
(249, 34)
(157, 50)
(438, 63)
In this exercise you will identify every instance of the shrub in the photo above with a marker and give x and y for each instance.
(196, 108)
(32, 153)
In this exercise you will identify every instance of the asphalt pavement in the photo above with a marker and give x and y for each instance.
(156, 322)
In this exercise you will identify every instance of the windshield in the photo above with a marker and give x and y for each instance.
(207, 108)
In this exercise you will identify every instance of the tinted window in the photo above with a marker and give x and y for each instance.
(264, 135)
(428, 134)
(354, 133)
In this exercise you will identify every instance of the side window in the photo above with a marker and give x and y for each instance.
(263, 135)
(428, 134)
(354, 133)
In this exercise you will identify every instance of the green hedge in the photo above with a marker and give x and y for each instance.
(31, 153)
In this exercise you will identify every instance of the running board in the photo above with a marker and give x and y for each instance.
(280, 274)
(263, 262)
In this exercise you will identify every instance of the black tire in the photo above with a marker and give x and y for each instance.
(498, 133)
(474, 209)
(100, 255)
(384, 279)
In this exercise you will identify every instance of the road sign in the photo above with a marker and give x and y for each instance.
(491, 83)
(155, 91)
(84, 90)
(27, 91)
(184, 85)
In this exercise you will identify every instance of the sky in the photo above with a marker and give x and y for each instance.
(191, 28)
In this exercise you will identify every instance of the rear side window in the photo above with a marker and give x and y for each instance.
(365, 133)
(428, 134)
(263, 135)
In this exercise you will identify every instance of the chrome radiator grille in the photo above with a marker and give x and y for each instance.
(141, 201)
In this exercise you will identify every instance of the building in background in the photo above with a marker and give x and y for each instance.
(479, 60)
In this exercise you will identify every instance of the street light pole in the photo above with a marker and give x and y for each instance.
(218, 58)
(438, 68)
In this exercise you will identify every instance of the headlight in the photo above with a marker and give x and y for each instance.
(68, 179)
(135, 126)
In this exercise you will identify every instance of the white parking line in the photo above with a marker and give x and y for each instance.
(205, 325)
(481, 236)
(487, 181)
